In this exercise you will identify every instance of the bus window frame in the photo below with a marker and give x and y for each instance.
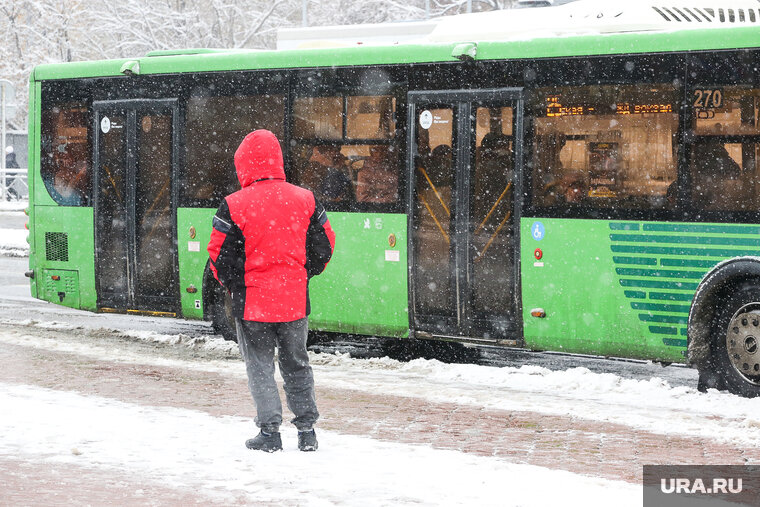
(228, 84)
(599, 71)
(54, 93)
(713, 69)
(346, 82)
(686, 70)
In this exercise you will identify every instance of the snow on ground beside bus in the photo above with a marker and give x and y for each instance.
(10, 206)
(14, 243)
(13, 239)
(194, 451)
(651, 405)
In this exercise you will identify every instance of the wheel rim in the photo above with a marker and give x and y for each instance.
(743, 342)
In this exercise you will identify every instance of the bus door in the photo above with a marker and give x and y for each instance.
(464, 154)
(134, 160)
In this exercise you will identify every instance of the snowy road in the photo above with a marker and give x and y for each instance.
(130, 410)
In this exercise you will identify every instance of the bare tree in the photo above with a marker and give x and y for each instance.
(344, 12)
(445, 8)
(232, 25)
(131, 28)
(33, 33)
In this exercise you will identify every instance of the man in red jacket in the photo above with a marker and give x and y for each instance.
(268, 240)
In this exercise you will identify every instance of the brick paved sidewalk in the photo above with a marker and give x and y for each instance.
(27, 484)
(581, 446)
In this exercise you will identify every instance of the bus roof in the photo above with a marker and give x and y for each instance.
(543, 46)
(578, 17)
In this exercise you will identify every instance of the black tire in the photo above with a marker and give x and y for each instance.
(709, 378)
(735, 361)
(222, 321)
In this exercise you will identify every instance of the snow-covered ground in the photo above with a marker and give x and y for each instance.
(91, 431)
(651, 405)
(190, 450)
(10, 206)
(13, 240)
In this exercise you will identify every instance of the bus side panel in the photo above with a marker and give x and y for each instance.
(192, 257)
(597, 294)
(33, 168)
(64, 248)
(364, 287)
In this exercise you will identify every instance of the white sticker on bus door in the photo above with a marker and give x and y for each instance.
(426, 119)
(193, 246)
(105, 124)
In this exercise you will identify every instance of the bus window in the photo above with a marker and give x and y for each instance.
(492, 172)
(325, 170)
(66, 153)
(346, 158)
(318, 117)
(370, 117)
(728, 111)
(723, 161)
(153, 216)
(605, 146)
(215, 128)
(377, 180)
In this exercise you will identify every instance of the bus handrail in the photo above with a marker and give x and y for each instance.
(493, 236)
(483, 223)
(435, 190)
(113, 183)
(435, 219)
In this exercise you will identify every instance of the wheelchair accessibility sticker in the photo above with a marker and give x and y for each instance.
(537, 231)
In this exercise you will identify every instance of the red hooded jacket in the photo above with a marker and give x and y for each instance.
(268, 238)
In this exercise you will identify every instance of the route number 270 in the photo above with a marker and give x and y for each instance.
(708, 99)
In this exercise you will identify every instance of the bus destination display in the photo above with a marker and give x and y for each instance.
(555, 108)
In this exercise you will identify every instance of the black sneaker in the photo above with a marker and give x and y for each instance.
(267, 442)
(307, 440)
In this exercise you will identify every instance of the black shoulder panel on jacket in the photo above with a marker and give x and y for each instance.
(230, 264)
(318, 248)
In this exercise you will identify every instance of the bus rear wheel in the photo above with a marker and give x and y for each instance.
(222, 320)
(735, 361)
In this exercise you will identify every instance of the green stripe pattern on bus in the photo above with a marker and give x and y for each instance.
(660, 266)
(620, 288)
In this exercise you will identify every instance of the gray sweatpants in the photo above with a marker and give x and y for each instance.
(257, 341)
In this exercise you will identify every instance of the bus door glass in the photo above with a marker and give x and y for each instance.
(491, 216)
(462, 162)
(434, 261)
(135, 249)
(153, 217)
(111, 233)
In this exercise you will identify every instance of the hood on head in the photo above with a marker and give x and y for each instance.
(259, 157)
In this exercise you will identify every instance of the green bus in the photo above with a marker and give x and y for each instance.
(589, 193)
